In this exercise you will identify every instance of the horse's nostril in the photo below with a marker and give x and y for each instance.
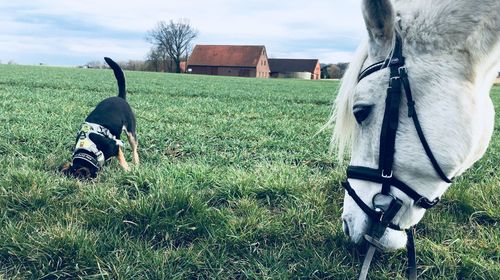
(345, 227)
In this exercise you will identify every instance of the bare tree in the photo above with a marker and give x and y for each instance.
(174, 38)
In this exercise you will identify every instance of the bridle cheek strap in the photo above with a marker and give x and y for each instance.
(412, 113)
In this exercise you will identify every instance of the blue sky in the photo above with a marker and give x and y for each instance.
(66, 32)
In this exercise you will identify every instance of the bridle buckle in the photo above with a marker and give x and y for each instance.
(386, 176)
(382, 203)
(403, 72)
(380, 212)
(392, 81)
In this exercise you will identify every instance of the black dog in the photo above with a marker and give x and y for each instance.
(99, 136)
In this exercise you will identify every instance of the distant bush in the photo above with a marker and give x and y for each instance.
(333, 71)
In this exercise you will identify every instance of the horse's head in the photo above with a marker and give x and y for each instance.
(450, 61)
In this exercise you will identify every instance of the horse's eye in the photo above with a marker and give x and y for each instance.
(361, 112)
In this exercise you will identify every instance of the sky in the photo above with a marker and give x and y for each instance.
(74, 32)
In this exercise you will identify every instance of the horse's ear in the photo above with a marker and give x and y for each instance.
(379, 20)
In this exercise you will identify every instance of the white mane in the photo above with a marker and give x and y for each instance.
(342, 119)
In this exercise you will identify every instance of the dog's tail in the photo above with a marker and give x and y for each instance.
(120, 77)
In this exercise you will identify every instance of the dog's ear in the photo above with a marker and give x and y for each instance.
(83, 173)
(65, 168)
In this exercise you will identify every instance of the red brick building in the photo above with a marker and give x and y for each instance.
(229, 60)
(295, 68)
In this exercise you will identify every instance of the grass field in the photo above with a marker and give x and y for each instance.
(233, 184)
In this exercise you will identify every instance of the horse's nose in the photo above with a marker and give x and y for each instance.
(345, 227)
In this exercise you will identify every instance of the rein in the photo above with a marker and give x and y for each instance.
(385, 205)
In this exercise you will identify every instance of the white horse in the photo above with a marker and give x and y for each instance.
(452, 51)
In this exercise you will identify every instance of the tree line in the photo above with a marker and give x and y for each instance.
(333, 71)
(172, 43)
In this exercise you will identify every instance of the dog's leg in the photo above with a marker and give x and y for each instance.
(121, 159)
(133, 143)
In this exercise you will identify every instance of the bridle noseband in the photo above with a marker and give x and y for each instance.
(383, 213)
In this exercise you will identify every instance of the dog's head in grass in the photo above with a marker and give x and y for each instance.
(79, 170)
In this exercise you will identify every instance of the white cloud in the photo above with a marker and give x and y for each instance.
(275, 23)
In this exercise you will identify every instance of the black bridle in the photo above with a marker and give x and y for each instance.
(385, 205)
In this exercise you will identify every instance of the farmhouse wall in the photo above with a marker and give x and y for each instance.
(316, 75)
(229, 60)
(293, 75)
(262, 69)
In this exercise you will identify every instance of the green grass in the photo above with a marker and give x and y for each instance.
(233, 184)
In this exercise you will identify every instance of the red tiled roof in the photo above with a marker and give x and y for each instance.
(226, 55)
(292, 65)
